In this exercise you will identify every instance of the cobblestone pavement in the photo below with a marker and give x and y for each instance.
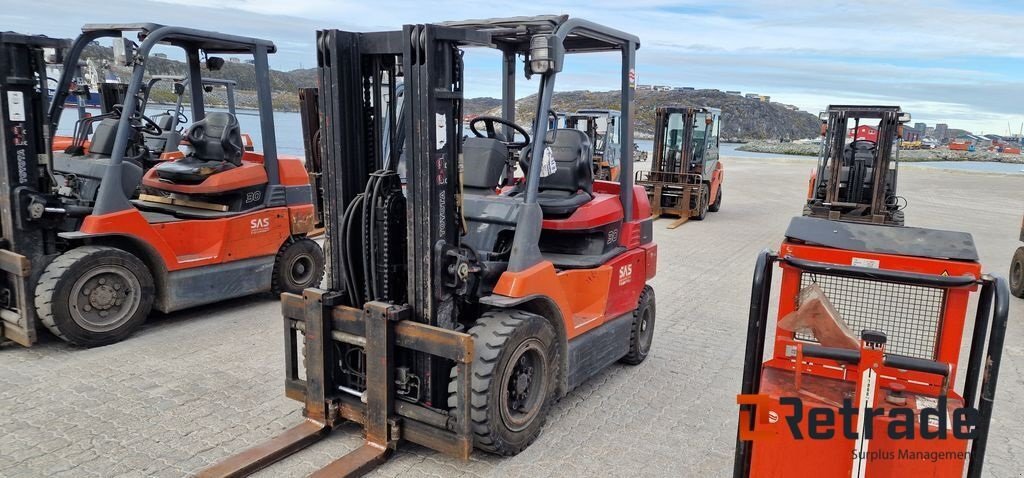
(196, 386)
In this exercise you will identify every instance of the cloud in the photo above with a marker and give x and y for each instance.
(951, 60)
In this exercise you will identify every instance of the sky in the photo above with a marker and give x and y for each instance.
(944, 61)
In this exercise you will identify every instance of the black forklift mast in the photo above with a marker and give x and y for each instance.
(842, 189)
(25, 180)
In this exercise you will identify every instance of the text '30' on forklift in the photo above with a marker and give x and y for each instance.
(871, 324)
(460, 308)
(88, 261)
(685, 172)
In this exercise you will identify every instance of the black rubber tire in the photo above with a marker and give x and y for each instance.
(715, 206)
(299, 265)
(642, 332)
(62, 276)
(1017, 273)
(499, 335)
(702, 203)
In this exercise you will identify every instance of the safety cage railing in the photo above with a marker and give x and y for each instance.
(867, 284)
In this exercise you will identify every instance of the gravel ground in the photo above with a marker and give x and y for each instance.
(196, 386)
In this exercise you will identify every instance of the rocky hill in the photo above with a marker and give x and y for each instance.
(742, 118)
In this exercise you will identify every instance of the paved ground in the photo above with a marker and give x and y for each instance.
(194, 387)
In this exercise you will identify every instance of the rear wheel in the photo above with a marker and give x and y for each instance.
(1017, 273)
(514, 372)
(94, 295)
(642, 333)
(715, 206)
(299, 265)
(702, 202)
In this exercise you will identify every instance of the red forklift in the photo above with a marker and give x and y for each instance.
(685, 173)
(462, 301)
(871, 323)
(87, 260)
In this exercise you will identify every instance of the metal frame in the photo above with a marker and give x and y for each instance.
(24, 184)
(990, 321)
(876, 210)
(110, 198)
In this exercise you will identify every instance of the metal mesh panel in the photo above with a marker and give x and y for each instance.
(909, 316)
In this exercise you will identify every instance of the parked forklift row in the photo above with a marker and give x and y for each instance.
(470, 283)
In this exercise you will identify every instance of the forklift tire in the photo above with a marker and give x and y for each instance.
(94, 295)
(642, 332)
(515, 367)
(702, 203)
(715, 206)
(1017, 273)
(298, 266)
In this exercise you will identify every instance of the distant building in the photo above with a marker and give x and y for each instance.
(160, 55)
(941, 131)
(864, 133)
(912, 134)
(921, 127)
(688, 88)
(766, 99)
(753, 96)
(234, 60)
(250, 61)
(734, 93)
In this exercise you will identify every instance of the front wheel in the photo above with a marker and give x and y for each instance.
(1017, 273)
(642, 332)
(94, 295)
(298, 266)
(702, 202)
(715, 206)
(515, 367)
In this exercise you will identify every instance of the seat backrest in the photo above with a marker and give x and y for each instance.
(483, 161)
(574, 158)
(217, 138)
(103, 137)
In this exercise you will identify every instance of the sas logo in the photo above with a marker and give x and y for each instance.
(259, 226)
(625, 274)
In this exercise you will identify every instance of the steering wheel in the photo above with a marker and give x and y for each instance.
(182, 119)
(148, 126)
(489, 122)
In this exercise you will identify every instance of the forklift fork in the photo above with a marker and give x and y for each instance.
(378, 328)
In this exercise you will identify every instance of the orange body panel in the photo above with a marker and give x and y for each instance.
(292, 171)
(247, 175)
(586, 298)
(717, 176)
(181, 245)
(60, 143)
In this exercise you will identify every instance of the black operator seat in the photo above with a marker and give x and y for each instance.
(216, 147)
(484, 161)
(571, 185)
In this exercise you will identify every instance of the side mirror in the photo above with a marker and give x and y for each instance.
(179, 88)
(214, 63)
(124, 52)
(208, 88)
